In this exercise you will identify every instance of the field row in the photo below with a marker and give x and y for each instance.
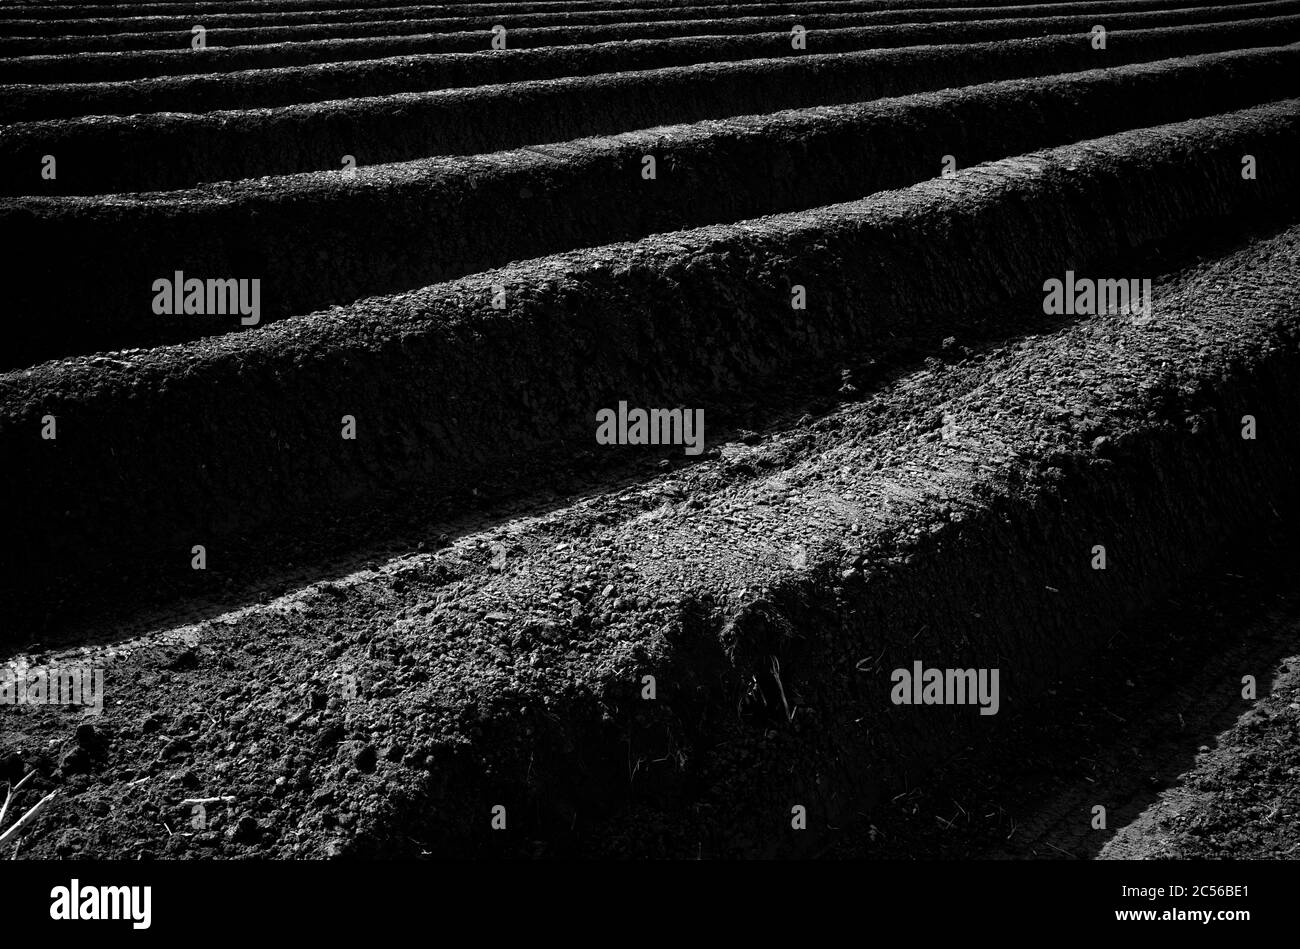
(765, 594)
(451, 393)
(289, 85)
(51, 19)
(309, 340)
(167, 151)
(682, 21)
(325, 239)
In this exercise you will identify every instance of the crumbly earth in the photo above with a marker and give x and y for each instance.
(1185, 766)
(143, 148)
(392, 711)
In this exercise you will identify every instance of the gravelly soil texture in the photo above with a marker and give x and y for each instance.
(620, 430)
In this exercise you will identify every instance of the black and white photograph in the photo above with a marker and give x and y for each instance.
(650, 447)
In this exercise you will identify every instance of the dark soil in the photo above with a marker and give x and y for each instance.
(404, 22)
(439, 376)
(470, 631)
(827, 33)
(507, 668)
(167, 150)
(1154, 729)
(436, 219)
